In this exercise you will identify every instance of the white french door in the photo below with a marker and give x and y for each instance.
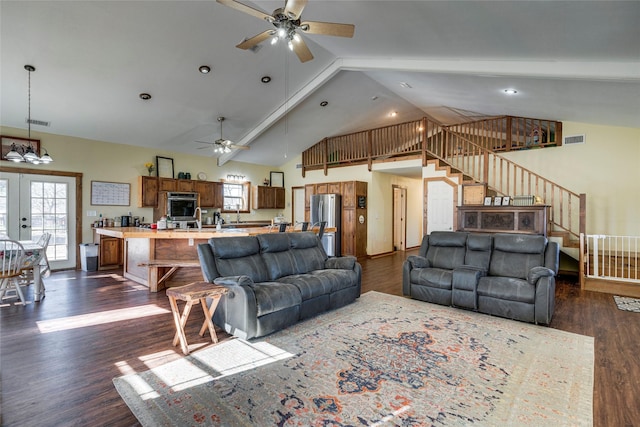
(35, 204)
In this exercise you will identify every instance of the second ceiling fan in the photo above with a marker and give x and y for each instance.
(221, 145)
(287, 22)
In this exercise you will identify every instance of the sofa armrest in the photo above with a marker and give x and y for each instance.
(233, 281)
(537, 272)
(342, 263)
(416, 261)
(545, 300)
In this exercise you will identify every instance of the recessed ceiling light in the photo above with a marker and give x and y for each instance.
(510, 91)
(265, 79)
(145, 96)
(374, 97)
(204, 69)
(393, 114)
(324, 103)
(405, 85)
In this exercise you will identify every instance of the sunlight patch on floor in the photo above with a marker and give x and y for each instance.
(99, 318)
(226, 358)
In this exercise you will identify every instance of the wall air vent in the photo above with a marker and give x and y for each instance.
(574, 139)
(38, 122)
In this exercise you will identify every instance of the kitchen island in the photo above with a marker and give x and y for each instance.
(142, 245)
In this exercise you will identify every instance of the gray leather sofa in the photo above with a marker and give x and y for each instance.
(276, 280)
(507, 275)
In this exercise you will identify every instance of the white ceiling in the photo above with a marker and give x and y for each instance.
(569, 61)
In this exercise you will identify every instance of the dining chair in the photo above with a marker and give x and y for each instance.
(11, 259)
(323, 224)
(27, 276)
(283, 227)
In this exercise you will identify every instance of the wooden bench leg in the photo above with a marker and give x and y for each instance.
(208, 315)
(180, 321)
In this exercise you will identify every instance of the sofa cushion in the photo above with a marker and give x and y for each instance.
(339, 279)
(307, 252)
(478, 253)
(515, 254)
(309, 285)
(237, 256)
(507, 288)
(276, 254)
(274, 296)
(434, 277)
(446, 249)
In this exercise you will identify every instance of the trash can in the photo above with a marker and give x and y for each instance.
(89, 256)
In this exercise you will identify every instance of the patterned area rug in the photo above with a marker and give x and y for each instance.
(383, 360)
(627, 303)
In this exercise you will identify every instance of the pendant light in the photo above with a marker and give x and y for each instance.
(27, 154)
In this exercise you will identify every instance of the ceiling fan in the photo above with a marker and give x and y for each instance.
(221, 145)
(287, 22)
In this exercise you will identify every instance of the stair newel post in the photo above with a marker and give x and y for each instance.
(369, 151)
(423, 136)
(509, 132)
(485, 166)
(326, 156)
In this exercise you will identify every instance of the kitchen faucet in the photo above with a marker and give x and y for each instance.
(238, 213)
(197, 214)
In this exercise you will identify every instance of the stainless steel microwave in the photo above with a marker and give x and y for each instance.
(182, 206)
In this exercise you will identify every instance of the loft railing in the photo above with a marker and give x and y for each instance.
(466, 147)
(506, 133)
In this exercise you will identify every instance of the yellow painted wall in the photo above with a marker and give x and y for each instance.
(606, 168)
(102, 161)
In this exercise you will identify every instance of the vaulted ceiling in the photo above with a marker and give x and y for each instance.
(568, 60)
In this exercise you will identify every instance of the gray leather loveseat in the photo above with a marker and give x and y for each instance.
(507, 275)
(276, 280)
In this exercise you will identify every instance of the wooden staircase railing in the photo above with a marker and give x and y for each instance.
(471, 149)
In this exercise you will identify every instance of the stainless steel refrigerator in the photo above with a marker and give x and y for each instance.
(328, 208)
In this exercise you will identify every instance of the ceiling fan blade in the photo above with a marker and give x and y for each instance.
(246, 9)
(301, 49)
(249, 43)
(206, 142)
(328, 28)
(293, 8)
(239, 147)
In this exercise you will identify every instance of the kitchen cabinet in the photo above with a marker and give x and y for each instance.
(185, 185)
(268, 197)
(147, 191)
(167, 184)
(110, 251)
(210, 194)
(354, 212)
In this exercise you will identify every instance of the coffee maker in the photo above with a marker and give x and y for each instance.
(126, 221)
(217, 218)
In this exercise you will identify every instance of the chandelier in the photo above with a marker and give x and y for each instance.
(21, 153)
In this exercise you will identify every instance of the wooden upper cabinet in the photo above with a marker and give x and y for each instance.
(147, 191)
(218, 195)
(206, 189)
(267, 197)
(309, 190)
(279, 198)
(167, 184)
(186, 185)
(322, 189)
(348, 194)
(334, 188)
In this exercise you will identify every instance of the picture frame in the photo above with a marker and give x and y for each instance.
(487, 201)
(22, 144)
(164, 167)
(276, 179)
(497, 201)
(506, 201)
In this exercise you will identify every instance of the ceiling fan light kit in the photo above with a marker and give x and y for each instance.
(287, 22)
(221, 145)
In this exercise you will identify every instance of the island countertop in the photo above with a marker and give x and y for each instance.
(188, 233)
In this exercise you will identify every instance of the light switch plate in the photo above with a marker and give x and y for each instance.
(92, 213)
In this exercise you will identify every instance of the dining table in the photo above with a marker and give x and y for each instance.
(33, 255)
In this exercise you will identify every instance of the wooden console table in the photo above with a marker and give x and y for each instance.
(504, 219)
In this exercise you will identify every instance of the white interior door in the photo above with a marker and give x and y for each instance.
(36, 204)
(399, 218)
(439, 206)
(297, 205)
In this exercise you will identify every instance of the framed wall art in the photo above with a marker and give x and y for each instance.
(497, 201)
(20, 144)
(164, 166)
(276, 179)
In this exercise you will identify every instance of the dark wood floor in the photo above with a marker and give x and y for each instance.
(63, 377)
